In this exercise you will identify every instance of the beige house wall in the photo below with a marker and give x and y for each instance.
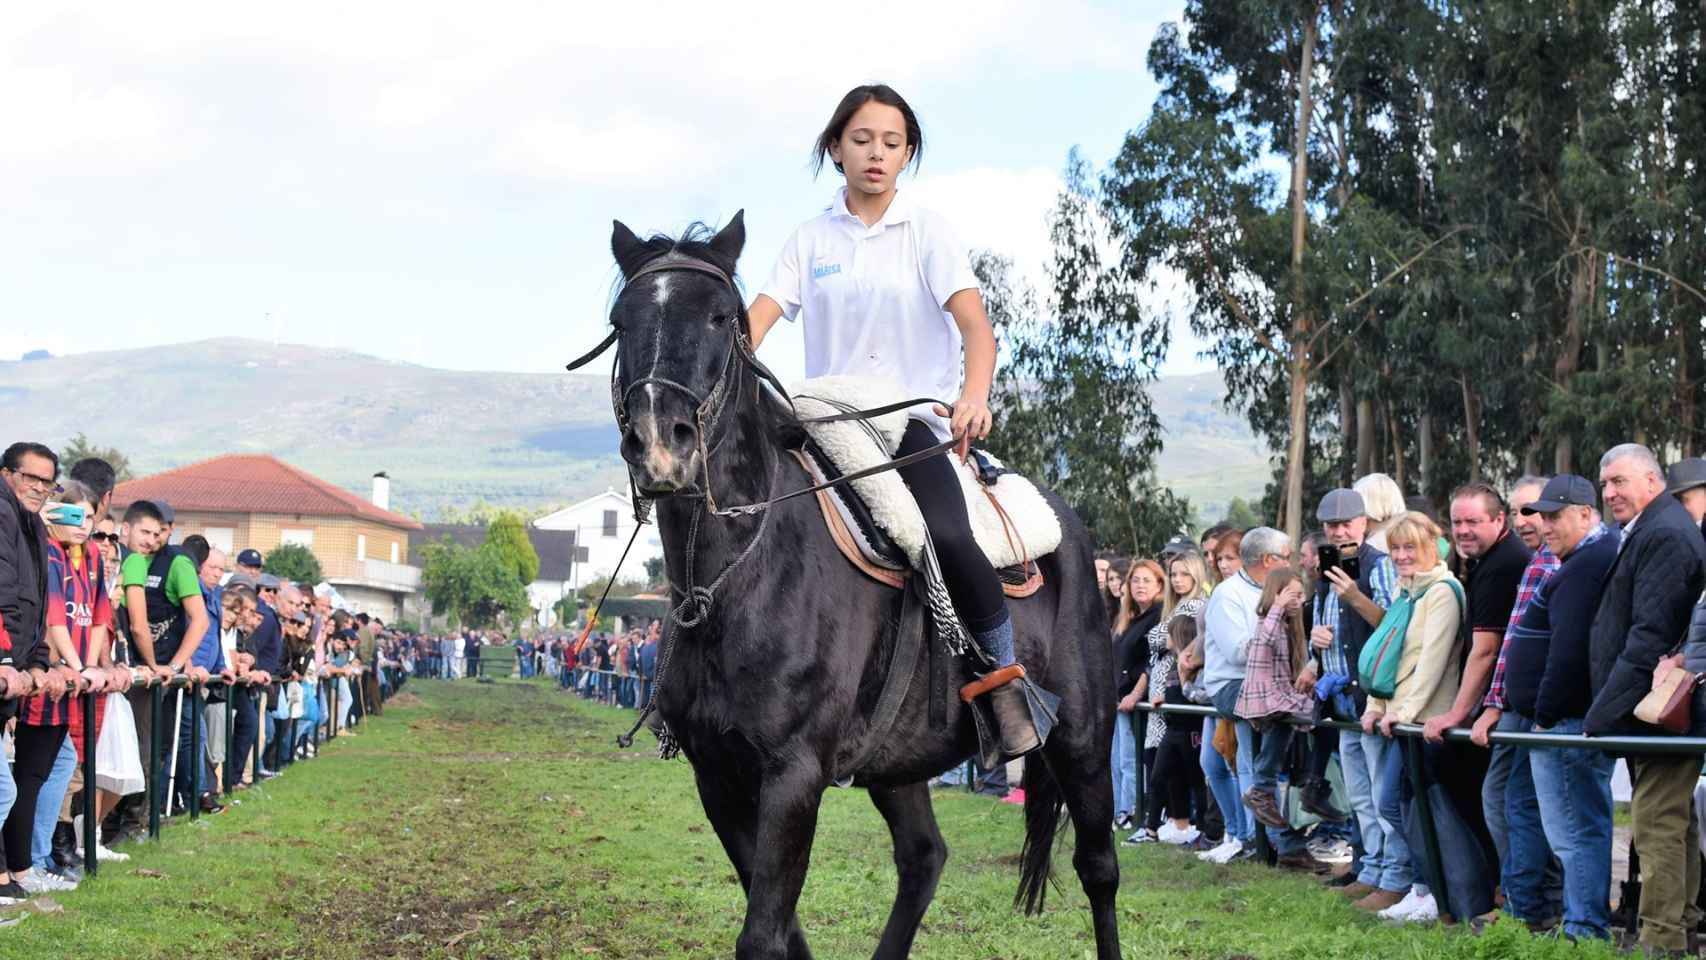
(335, 538)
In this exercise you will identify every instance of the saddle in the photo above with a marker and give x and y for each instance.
(876, 522)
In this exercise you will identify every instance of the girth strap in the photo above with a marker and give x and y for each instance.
(903, 665)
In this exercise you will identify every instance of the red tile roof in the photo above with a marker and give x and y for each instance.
(253, 483)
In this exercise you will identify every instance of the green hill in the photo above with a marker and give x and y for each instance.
(447, 438)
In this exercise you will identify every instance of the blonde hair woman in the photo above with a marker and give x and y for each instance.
(1187, 593)
(1428, 677)
(1383, 502)
(1140, 608)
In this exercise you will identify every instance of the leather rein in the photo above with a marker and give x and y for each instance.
(708, 409)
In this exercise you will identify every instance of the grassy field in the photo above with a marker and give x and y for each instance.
(500, 820)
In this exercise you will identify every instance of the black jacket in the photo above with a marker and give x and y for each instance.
(1643, 615)
(23, 584)
(1131, 649)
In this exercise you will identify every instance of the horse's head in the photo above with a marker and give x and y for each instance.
(677, 320)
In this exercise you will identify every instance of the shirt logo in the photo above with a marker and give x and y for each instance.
(824, 270)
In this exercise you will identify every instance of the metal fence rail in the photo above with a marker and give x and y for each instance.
(160, 774)
(1411, 734)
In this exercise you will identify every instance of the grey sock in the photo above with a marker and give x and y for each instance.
(997, 642)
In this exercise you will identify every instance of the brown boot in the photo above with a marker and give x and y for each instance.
(1014, 726)
(1265, 809)
(1356, 891)
(1379, 900)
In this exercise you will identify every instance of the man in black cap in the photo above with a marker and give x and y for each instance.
(249, 562)
(1547, 678)
(1688, 486)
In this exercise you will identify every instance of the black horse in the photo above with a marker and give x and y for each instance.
(776, 675)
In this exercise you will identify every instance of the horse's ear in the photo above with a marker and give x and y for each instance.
(729, 240)
(625, 246)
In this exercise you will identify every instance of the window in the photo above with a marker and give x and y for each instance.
(220, 537)
(610, 523)
(361, 546)
(288, 536)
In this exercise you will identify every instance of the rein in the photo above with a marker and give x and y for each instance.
(696, 602)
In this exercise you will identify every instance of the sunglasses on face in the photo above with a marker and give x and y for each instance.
(104, 537)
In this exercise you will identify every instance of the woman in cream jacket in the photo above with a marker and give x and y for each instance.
(1429, 672)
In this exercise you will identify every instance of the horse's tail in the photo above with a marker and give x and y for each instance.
(1044, 807)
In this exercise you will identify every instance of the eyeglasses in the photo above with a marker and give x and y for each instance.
(31, 480)
(104, 537)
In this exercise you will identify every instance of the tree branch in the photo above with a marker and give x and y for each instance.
(1407, 264)
(1234, 304)
(1658, 271)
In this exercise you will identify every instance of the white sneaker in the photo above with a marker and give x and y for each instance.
(1224, 853)
(37, 881)
(1166, 832)
(102, 853)
(1179, 837)
(1414, 908)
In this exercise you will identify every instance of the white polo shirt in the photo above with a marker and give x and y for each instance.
(874, 298)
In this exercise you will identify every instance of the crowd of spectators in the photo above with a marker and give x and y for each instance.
(94, 605)
(1567, 606)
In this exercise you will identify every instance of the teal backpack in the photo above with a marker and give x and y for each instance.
(1377, 668)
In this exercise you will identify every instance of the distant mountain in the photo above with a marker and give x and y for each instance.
(447, 438)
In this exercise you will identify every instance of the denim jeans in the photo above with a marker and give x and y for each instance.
(1124, 764)
(1224, 785)
(8, 786)
(1245, 777)
(1359, 792)
(1385, 763)
(1574, 792)
(48, 802)
(1533, 890)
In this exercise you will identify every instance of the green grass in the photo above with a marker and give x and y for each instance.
(500, 820)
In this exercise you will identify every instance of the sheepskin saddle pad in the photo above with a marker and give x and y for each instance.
(1010, 519)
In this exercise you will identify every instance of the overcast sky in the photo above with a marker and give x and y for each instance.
(435, 183)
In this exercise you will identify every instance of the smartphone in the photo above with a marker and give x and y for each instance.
(1329, 557)
(65, 514)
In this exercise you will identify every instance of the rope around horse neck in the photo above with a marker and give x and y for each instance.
(696, 603)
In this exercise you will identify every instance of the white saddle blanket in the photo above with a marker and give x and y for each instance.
(1034, 530)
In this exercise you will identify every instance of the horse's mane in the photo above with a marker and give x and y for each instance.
(695, 242)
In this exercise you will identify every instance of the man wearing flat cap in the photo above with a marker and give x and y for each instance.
(1347, 609)
(1688, 485)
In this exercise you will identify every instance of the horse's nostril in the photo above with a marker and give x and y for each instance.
(683, 434)
(631, 445)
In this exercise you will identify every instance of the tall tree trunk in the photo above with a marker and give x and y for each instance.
(1366, 437)
(1472, 428)
(1350, 423)
(1570, 347)
(1302, 320)
(1684, 385)
(1425, 453)
(1397, 440)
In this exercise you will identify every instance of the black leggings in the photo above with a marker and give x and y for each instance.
(1178, 772)
(36, 749)
(970, 579)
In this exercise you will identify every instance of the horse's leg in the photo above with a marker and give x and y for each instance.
(733, 811)
(787, 821)
(918, 857)
(1079, 765)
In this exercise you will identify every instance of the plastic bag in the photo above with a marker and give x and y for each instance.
(118, 756)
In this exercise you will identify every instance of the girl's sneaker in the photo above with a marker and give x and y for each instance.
(11, 893)
(103, 854)
(1414, 908)
(1171, 834)
(40, 881)
(1145, 835)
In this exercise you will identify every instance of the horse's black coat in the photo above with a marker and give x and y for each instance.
(780, 678)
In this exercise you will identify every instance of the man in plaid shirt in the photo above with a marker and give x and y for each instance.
(1507, 795)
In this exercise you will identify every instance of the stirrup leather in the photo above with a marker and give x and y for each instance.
(1012, 715)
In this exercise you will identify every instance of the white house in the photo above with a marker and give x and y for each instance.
(602, 526)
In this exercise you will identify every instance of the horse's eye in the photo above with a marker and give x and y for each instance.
(718, 319)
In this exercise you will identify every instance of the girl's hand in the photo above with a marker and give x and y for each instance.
(970, 420)
(1129, 703)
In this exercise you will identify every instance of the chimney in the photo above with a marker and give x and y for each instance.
(382, 490)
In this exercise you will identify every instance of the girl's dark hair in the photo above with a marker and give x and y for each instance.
(849, 105)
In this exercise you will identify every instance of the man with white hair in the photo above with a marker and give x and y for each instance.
(1643, 616)
(1229, 624)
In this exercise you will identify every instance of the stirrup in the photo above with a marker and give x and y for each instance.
(1012, 715)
